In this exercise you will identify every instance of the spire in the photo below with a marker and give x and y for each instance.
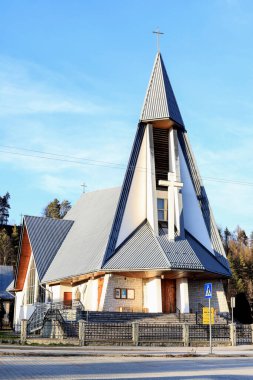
(160, 102)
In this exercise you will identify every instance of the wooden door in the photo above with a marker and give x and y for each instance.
(67, 298)
(100, 288)
(169, 296)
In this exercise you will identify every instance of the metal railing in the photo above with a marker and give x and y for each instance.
(244, 334)
(202, 333)
(160, 333)
(50, 311)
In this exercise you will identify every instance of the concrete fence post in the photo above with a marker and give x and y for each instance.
(135, 333)
(186, 335)
(233, 334)
(82, 325)
(23, 331)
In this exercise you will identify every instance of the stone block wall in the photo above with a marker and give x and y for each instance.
(116, 281)
(196, 295)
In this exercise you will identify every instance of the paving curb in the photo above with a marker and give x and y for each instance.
(137, 355)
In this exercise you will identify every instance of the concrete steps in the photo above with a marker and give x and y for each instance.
(126, 317)
(72, 315)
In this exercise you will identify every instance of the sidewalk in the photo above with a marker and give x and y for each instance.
(127, 351)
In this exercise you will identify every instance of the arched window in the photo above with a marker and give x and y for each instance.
(31, 283)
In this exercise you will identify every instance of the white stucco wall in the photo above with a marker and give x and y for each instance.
(182, 295)
(18, 313)
(136, 207)
(153, 295)
(56, 293)
(21, 309)
(193, 218)
(91, 295)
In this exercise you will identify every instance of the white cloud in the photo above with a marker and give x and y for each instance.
(26, 88)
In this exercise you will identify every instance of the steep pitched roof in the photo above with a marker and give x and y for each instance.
(140, 251)
(46, 236)
(208, 260)
(180, 254)
(160, 101)
(6, 278)
(84, 247)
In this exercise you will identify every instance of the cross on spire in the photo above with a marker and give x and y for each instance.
(84, 186)
(158, 34)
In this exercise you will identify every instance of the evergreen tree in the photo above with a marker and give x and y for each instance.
(6, 249)
(4, 209)
(53, 209)
(57, 210)
(227, 235)
(65, 207)
(15, 242)
(241, 236)
(240, 256)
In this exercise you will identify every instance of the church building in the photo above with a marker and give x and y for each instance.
(148, 246)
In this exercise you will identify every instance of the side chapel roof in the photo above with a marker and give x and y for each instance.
(46, 236)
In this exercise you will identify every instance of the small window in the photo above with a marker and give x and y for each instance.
(162, 209)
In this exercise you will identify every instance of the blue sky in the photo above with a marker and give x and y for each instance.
(73, 76)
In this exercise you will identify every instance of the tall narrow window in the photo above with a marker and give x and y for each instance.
(162, 209)
(31, 283)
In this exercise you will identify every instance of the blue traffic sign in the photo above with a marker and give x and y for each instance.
(208, 290)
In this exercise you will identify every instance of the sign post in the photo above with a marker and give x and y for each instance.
(232, 304)
(208, 294)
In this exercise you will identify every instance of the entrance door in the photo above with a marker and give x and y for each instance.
(67, 297)
(169, 296)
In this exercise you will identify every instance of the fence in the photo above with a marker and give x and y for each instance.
(220, 333)
(244, 334)
(134, 333)
(55, 329)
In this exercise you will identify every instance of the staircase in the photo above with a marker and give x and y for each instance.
(36, 320)
(53, 311)
(68, 317)
(126, 317)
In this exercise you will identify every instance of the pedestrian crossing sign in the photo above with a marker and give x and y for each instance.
(208, 290)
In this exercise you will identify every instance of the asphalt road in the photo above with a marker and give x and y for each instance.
(18, 367)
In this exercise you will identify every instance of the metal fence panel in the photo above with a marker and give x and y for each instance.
(202, 333)
(108, 332)
(243, 334)
(160, 333)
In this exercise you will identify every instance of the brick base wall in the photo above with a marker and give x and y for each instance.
(116, 281)
(196, 295)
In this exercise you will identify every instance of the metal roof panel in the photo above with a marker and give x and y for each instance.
(140, 251)
(84, 247)
(160, 101)
(46, 236)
